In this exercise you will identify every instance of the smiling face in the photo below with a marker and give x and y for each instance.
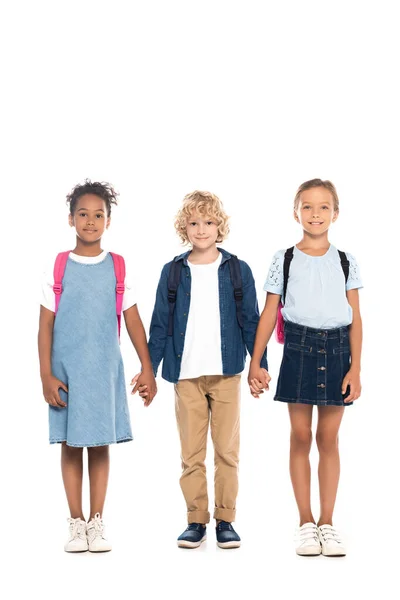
(202, 231)
(316, 210)
(90, 218)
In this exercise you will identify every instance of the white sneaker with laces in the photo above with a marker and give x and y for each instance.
(95, 533)
(331, 542)
(308, 543)
(77, 541)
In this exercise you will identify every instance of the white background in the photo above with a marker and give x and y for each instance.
(248, 100)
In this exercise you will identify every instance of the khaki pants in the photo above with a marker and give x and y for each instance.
(196, 400)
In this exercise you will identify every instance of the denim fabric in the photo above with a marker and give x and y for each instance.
(87, 358)
(314, 364)
(234, 340)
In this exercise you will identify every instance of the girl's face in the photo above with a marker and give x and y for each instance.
(90, 218)
(202, 231)
(316, 211)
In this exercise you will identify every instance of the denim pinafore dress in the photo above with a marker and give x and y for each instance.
(86, 356)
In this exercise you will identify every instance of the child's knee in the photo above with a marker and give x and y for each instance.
(327, 442)
(300, 439)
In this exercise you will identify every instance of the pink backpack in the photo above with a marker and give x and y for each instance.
(280, 323)
(119, 269)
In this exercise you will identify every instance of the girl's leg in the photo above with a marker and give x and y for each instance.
(99, 467)
(329, 419)
(72, 471)
(300, 445)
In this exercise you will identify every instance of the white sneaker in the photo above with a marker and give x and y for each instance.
(77, 536)
(331, 542)
(308, 543)
(95, 533)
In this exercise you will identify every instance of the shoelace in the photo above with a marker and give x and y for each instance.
(77, 528)
(330, 535)
(96, 526)
(308, 533)
(224, 526)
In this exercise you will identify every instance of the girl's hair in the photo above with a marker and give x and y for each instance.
(206, 204)
(312, 183)
(103, 190)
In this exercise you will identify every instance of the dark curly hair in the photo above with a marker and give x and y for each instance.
(103, 190)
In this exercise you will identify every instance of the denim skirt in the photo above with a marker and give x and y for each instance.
(314, 364)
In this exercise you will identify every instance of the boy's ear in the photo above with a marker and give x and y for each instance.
(108, 222)
(71, 220)
(296, 217)
(335, 215)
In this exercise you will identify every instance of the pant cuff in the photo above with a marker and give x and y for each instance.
(198, 516)
(225, 514)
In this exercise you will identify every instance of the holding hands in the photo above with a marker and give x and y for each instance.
(258, 380)
(146, 384)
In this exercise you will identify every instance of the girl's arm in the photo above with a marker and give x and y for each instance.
(137, 335)
(352, 378)
(257, 379)
(50, 383)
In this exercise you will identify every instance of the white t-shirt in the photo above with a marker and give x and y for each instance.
(48, 296)
(202, 350)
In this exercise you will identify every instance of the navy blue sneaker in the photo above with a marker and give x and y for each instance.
(193, 535)
(226, 535)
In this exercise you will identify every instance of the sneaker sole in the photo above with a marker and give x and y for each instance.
(309, 552)
(75, 551)
(99, 551)
(226, 545)
(333, 553)
(184, 544)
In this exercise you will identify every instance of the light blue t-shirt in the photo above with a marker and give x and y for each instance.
(316, 291)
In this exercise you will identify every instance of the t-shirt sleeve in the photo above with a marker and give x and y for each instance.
(354, 279)
(274, 281)
(130, 297)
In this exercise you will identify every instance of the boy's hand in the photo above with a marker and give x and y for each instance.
(352, 379)
(51, 386)
(146, 384)
(258, 380)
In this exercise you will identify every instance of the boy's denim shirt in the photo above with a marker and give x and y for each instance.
(234, 340)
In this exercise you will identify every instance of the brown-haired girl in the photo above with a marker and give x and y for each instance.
(321, 356)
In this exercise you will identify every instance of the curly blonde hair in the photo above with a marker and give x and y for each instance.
(312, 183)
(206, 204)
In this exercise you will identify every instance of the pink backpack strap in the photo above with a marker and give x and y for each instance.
(119, 269)
(59, 270)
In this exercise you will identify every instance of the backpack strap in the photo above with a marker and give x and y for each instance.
(119, 269)
(286, 266)
(174, 278)
(58, 275)
(345, 264)
(236, 279)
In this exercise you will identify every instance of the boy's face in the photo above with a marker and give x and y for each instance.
(202, 231)
(90, 218)
(316, 212)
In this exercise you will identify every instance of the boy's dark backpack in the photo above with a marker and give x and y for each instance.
(174, 279)
(280, 324)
